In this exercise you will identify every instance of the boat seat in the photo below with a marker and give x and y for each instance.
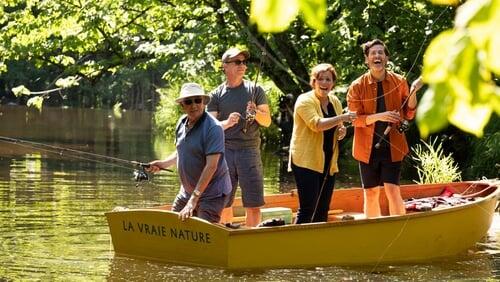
(331, 215)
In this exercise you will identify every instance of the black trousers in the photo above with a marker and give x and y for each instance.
(315, 194)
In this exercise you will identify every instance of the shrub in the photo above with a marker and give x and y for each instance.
(433, 165)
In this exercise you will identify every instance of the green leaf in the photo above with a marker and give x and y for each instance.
(21, 90)
(36, 102)
(314, 13)
(433, 109)
(493, 56)
(64, 60)
(467, 115)
(439, 56)
(3, 67)
(117, 110)
(273, 15)
(67, 82)
(446, 2)
(472, 11)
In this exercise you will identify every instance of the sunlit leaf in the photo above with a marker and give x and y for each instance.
(67, 82)
(493, 56)
(20, 90)
(273, 15)
(446, 2)
(36, 102)
(433, 109)
(314, 13)
(439, 56)
(117, 110)
(472, 10)
(470, 118)
(3, 67)
(64, 60)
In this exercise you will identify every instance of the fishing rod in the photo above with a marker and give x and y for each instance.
(139, 174)
(250, 114)
(403, 126)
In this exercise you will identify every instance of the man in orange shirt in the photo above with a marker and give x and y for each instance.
(380, 99)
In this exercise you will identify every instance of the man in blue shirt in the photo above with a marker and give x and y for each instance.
(203, 172)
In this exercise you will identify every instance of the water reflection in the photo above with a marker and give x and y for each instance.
(52, 207)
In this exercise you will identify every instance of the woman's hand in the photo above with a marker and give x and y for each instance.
(342, 132)
(349, 116)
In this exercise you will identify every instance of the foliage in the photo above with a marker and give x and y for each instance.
(459, 66)
(168, 111)
(276, 15)
(484, 157)
(117, 40)
(433, 165)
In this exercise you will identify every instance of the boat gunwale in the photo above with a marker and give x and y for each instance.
(320, 225)
(406, 217)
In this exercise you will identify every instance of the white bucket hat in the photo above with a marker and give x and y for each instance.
(192, 90)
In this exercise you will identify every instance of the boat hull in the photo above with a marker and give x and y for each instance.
(158, 234)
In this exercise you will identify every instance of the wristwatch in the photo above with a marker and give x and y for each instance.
(196, 193)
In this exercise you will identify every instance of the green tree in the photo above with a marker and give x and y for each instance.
(109, 44)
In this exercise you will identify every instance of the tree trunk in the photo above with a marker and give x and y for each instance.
(279, 58)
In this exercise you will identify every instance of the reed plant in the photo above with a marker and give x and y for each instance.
(433, 165)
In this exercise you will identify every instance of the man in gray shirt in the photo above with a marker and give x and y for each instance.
(242, 107)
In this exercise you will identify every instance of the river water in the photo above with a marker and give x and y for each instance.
(52, 205)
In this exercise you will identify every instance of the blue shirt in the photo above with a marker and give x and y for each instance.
(206, 137)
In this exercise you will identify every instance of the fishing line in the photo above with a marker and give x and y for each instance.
(382, 137)
(390, 244)
(139, 174)
(393, 146)
(414, 61)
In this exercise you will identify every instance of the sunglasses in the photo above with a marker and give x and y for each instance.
(188, 102)
(238, 62)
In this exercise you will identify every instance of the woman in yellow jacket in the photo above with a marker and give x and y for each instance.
(318, 125)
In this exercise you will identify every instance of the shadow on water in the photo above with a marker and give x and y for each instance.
(52, 207)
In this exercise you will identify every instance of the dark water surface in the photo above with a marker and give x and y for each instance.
(52, 204)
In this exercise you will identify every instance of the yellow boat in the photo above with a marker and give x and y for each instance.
(157, 233)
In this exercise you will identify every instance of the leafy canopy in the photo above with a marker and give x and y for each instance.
(459, 64)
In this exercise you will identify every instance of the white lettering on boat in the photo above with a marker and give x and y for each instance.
(161, 231)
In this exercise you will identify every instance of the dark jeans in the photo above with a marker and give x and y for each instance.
(309, 186)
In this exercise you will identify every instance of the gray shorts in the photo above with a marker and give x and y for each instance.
(245, 168)
(209, 209)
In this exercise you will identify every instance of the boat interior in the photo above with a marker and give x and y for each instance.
(347, 204)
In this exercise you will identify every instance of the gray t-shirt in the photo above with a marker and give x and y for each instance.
(193, 145)
(225, 100)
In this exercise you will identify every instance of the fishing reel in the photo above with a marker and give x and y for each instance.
(250, 116)
(141, 175)
(404, 126)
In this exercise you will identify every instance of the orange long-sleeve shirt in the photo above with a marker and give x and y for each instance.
(361, 98)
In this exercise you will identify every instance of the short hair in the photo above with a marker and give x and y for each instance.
(366, 46)
(319, 69)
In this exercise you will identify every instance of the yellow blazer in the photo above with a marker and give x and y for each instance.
(306, 145)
